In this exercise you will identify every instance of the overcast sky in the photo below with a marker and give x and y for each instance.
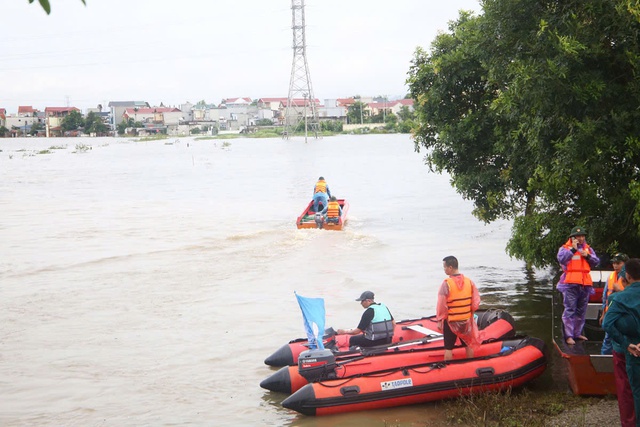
(177, 51)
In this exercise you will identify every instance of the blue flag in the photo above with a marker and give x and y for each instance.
(313, 314)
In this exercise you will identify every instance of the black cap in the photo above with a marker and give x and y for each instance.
(620, 257)
(366, 295)
(578, 231)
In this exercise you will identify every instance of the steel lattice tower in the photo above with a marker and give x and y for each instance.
(301, 102)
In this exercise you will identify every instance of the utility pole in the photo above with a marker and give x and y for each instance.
(384, 111)
(300, 82)
(305, 95)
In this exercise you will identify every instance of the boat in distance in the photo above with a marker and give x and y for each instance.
(308, 217)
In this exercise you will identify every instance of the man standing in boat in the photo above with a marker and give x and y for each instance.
(576, 258)
(458, 299)
(376, 324)
(321, 194)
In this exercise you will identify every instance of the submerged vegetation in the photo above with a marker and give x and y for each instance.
(156, 137)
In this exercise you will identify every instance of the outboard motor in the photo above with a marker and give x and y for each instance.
(490, 316)
(319, 219)
(315, 365)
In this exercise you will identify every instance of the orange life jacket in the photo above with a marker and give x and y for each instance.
(613, 278)
(321, 187)
(333, 210)
(459, 300)
(578, 269)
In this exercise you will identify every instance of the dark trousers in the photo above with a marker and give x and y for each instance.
(623, 390)
(360, 341)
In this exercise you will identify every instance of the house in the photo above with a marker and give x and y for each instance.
(271, 108)
(349, 102)
(236, 113)
(154, 119)
(236, 101)
(332, 110)
(53, 119)
(117, 109)
(273, 104)
(3, 117)
(396, 106)
(20, 124)
(26, 111)
(380, 108)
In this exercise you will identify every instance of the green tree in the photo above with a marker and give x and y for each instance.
(355, 112)
(391, 122)
(3, 131)
(35, 128)
(531, 108)
(47, 6)
(72, 121)
(123, 125)
(264, 122)
(405, 113)
(94, 124)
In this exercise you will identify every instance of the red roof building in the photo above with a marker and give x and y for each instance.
(59, 111)
(26, 111)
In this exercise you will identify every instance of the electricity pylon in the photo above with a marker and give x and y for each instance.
(301, 102)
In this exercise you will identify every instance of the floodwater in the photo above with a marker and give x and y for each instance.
(144, 283)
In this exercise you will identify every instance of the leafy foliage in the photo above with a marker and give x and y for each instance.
(35, 128)
(531, 108)
(355, 113)
(72, 121)
(47, 6)
(94, 124)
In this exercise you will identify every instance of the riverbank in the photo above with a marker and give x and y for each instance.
(525, 408)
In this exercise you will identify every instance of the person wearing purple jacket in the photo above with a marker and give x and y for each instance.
(576, 258)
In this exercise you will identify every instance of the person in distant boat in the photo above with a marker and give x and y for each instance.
(321, 194)
(622, 323)
(376, 324)
(332, 212)
(458, 299)
(615, 283)
(576, 258)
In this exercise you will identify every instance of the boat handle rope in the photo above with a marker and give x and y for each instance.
(438, 365)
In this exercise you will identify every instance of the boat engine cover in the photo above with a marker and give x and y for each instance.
(316, 365)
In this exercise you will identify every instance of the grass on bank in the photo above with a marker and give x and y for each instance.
(517, 409)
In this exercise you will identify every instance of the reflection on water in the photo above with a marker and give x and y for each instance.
(145, 283)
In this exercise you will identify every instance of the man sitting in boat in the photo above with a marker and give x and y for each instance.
(333, 211)
(458, 299)
(376, 325)
(321, 194)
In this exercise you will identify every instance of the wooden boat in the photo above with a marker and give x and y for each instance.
(406, 334)
(590, 373)
(308, 217)
(510, 367)
(321, 365)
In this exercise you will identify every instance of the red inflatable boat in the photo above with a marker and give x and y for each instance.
(512, 366)
(322, 365)
(405, 334)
